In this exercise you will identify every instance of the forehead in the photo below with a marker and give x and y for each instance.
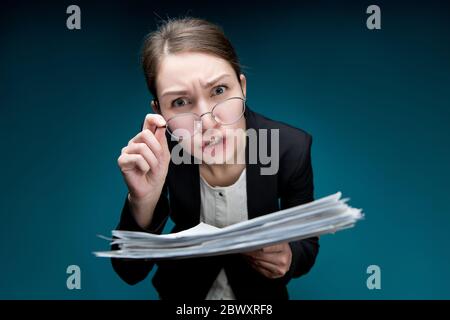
(189, 68)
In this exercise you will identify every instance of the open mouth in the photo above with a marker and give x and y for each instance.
(212, 142)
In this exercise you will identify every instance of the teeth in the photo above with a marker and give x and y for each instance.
(216, 141)
(212, 141)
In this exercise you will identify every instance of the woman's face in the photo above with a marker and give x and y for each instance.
(194, 82)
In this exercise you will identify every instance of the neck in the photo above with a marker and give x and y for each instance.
(221, 175)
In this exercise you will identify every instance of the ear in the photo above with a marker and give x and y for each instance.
(243, 81)
(155, 106)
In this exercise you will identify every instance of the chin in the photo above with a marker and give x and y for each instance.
(218, 158)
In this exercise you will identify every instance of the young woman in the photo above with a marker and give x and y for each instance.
(199, 104)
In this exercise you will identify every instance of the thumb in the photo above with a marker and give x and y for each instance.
(160, 135)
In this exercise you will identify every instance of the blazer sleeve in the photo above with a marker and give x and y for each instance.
(300, 190)
(133, 271)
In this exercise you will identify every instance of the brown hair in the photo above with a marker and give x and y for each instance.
(183, 35)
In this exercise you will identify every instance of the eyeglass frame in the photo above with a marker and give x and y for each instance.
(201, 115)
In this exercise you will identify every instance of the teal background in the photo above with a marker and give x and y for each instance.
(376, 103)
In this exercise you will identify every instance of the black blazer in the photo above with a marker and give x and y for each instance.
(192, 278)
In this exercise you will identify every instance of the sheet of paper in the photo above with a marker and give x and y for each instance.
(325, 215)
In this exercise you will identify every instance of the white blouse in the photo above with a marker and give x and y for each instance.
(220, 207)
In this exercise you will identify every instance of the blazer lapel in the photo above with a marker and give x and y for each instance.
(261, 189)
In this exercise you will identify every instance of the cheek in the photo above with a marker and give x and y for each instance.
(194, 143)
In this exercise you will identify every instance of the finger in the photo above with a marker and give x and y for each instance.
(268, 258)
(269, 249)
(153, 121)
(144, 150)
(131, 161)
(263, 252)
(267, 272)
(160, 135)
(147, 137)
(274, 270)
(251, 253)
(275, 248)
(274, 258)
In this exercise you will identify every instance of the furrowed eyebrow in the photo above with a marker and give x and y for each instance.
(208, 84)
(175, 92)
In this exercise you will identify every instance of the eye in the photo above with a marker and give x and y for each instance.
(180, 102)
(219, 90)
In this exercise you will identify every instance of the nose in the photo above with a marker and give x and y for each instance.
(208, 121)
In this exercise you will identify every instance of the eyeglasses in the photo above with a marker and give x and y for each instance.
(185, 125)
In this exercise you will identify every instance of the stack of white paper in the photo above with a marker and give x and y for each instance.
(325, 215)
